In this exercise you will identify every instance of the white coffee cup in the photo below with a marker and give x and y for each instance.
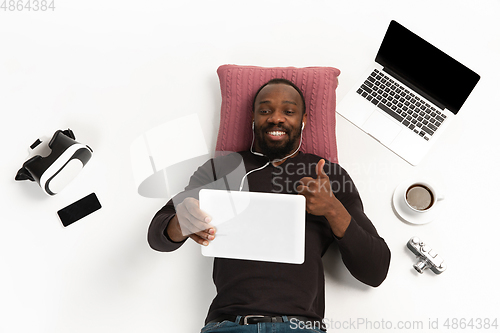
(421, 197)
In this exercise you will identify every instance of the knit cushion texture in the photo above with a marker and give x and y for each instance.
(238, 86)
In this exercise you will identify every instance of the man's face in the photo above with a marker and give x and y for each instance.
(278, 118)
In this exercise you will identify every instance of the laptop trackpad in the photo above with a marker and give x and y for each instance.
(381, 128)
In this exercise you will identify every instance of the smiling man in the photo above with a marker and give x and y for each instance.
(257, 296)
(278, 117)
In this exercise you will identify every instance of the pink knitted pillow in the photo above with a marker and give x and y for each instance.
(239, 84)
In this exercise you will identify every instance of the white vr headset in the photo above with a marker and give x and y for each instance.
(53, 172)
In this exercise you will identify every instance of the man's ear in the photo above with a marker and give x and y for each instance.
(304, 119)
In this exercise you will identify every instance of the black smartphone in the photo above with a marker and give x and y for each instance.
(79, 209)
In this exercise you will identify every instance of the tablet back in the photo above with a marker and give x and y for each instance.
(256, 226)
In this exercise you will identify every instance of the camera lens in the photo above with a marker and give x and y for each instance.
(420, 266)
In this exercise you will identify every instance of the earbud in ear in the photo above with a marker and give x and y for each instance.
(303, 125)
(253, 125)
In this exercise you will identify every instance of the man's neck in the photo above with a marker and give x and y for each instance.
(279, 162)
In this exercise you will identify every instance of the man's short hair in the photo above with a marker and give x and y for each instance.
(281, 81)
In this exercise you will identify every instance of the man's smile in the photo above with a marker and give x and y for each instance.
(276, 135)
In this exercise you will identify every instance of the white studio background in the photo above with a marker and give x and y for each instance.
(112, 70)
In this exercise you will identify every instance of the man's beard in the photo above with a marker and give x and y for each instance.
(277, 150)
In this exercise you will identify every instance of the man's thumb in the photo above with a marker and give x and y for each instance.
(319, 169)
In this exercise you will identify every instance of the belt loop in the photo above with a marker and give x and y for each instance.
(285, 319)
(237, 320)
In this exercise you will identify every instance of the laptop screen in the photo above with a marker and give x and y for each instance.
(425, 68)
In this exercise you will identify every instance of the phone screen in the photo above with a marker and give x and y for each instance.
(79, 209)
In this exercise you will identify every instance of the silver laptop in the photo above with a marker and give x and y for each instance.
(256, 226)
(410, 96)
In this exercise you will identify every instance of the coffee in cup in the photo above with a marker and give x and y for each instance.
(421, 197)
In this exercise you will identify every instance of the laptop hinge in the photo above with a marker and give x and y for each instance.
(406, 82)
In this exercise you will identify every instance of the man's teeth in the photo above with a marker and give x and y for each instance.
(277, 133)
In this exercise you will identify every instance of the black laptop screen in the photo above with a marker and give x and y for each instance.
(425, 68)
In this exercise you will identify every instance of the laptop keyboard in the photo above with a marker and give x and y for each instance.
(403, 105)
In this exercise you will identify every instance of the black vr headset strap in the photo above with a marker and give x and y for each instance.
(23, 173)
(69, 133)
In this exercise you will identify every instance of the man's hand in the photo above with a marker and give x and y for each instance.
(190, 221)
(321, 201)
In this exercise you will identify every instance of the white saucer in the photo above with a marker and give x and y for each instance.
(406, 213)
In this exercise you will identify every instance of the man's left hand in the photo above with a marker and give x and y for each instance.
(321, 201)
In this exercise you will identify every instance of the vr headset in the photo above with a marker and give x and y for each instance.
(53, 172)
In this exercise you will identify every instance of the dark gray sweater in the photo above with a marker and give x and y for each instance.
(255, 287)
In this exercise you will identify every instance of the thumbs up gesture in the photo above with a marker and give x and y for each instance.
(318, 191)
(321, 201)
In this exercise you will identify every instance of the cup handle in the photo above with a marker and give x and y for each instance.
(440, 197)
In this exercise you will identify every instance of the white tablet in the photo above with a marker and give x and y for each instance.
(256, 226)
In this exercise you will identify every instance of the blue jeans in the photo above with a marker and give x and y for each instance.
(286, 327)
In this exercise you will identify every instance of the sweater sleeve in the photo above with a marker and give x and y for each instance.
(364, 253)
(157, 233)
(220, 173)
